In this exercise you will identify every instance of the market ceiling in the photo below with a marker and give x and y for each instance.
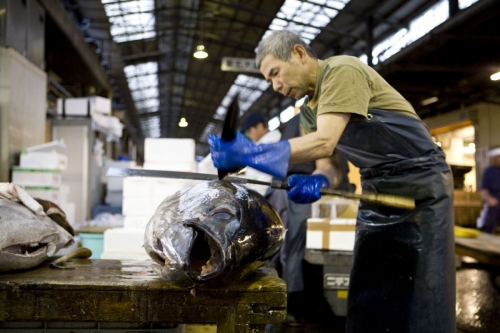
(438, 54)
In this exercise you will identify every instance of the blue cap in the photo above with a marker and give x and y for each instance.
(251, 120)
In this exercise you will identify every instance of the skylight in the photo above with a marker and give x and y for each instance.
(130, 20)
(143, 84)
(420, 26)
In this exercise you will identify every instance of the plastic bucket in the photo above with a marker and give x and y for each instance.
(94, 242)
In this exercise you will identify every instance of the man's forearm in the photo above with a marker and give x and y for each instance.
(320, 144)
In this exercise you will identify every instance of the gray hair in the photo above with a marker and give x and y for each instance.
(280, 45)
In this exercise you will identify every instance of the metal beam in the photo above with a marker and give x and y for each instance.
(67, 26)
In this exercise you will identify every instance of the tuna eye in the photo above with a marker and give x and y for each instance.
(222, 214)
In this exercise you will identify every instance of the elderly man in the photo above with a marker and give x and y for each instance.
(403, 275)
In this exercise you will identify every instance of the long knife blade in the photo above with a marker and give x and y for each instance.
(118, 172)
(390, 200)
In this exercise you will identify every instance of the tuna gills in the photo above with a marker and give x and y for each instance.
(214, 230)
(27, 239)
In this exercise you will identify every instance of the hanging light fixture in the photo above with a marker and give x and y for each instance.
(200, 52)
(183, 122)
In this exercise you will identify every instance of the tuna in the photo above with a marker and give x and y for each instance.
(214, 231)
(27, 239)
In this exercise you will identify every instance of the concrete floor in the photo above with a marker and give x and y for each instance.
(478, 304)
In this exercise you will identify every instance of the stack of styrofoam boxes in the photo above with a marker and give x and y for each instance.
(114, 185)
(143, 195)
(332, 225)
(83, 106)
(40, 174)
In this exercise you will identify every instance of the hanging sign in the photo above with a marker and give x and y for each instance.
(230, 64)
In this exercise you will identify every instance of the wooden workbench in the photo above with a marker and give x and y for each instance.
(128, 291)
(485, 248)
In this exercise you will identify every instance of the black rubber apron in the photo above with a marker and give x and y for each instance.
(403, 275)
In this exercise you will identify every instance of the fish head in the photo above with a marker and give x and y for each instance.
(201, 232)
(27, 239)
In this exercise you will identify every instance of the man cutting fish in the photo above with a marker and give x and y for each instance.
(403, 275)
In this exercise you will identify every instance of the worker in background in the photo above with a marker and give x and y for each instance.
(490, 192)
(300, 307)
(254, 127)
(403, 274)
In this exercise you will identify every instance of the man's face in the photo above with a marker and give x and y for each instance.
(255, 133)
(289, 78)
(496, 161)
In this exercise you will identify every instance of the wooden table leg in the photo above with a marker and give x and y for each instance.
(227, 322)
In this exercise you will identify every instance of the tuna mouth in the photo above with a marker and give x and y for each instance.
(29, 249)
(206, 256)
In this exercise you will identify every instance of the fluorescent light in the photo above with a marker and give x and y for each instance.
(183, 122)
(287, 114)
(273, 124)
(200, 52)
(495, 77)
(429, 100)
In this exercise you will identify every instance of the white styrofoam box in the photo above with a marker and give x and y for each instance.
(43, 160)
(79, 106)
(36, 177)
(108, 163)
(137, 187)
(164, 187)
(69, 209)
(136, 222)
(45, 193)
(139, 206)
(169, 150)
(171, 166)
(146, 187)
(114, 198)
(331, 234)
(109, 124)
(116, 183)
(124, 240)
(206, 165)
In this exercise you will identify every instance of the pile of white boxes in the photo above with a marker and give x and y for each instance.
(40, 174)
(114, 185)
(143, 195)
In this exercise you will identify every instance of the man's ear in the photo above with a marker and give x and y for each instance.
(300, 51)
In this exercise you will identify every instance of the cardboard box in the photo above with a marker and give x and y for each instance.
(330, 234)
(334, 207)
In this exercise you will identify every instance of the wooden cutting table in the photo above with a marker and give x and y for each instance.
(128, 291)
(485, 248)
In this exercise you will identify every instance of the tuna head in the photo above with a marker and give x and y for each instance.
(27, 239)
(210, 231)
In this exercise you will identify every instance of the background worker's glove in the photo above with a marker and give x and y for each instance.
(305, 189)
(271, 158)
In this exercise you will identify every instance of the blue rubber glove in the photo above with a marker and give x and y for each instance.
(305, 189)
(271, 158)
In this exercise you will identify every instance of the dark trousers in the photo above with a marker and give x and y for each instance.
(492, 219)
(294, 217)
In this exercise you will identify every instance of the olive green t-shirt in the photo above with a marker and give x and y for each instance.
(345, 84)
